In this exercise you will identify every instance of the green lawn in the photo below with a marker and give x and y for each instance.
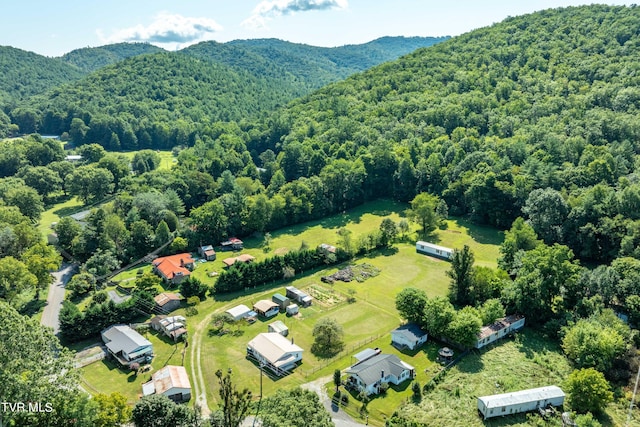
(107, 377)
(366, 322)
(55, 212)
(167, 159)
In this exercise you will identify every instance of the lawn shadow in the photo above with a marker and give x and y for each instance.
(481, 234)
(32, 307)
(531, 343)
(384, 252)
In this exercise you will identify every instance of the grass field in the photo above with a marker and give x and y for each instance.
(167, 159)
(366, 322)
(57, 211)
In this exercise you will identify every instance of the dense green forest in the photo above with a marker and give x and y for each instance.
(200, 84)
(529, 126)
(90, 59)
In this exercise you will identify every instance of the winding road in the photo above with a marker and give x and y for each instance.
(51, 312)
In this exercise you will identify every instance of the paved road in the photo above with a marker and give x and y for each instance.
(113, 295)
(338, 416)
(51, 312)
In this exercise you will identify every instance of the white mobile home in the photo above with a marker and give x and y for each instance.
(520, 401)
(434, 250)
(499, 329)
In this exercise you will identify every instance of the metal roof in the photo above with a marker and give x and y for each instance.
(123, 338)
(431, 245)
(167, 378)
(522, 396)
(238, 311)
(274, 348)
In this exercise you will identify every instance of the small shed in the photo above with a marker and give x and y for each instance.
(292, 309)
(171, 381)
(232, 244)
(281, 300)
(520, 401)
(297, 295)
(409, 336)
(266, 308)
(278, 327)
(327, 247)
(239, 312)
(168, 301)
(434, 250)
(207, 252)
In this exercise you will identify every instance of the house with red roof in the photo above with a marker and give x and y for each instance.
(175, 268)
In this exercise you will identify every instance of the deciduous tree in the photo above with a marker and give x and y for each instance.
(328, 337)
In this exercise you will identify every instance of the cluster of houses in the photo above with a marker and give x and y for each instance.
(275, 351)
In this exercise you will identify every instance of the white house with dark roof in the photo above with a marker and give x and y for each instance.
(275, 352)
(409, 336)
(499, 329)
(172, 381)
(369, 374)
(520, 401)
(126, 345)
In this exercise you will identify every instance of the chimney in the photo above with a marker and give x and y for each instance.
(291, 340)
(382, 374)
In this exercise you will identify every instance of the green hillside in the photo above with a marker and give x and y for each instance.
(23, 74)
(90, 59)
(204, 83)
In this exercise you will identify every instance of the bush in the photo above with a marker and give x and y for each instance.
(383, 388)
(345, 399)
(191, 311)
(193, 301)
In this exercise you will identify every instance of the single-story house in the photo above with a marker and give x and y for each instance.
(73, 158)
(175, 268)
(207, 252)
(434, 250)
(409, 336)
(281, 300)
(292, 309)
(499, 329)
(266, 308)
(239, 312)
(168, 301)
(228, 262)
(520, 401)
(232, 244)
(369, 374)
(327, 247)
(298, 296)
(278, 327)
(126, 345)
(274, 352)
(172, 381)
(173, 326)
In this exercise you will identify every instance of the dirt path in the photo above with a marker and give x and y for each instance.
(51, 312)
(196, 368)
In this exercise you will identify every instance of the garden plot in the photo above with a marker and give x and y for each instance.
(325, 296)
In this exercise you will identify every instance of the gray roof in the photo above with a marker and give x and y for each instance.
(123, 338)
(279, 298)
(371, 369)
(410, 331)
(522, 396)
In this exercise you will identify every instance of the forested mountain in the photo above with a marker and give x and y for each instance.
(23, 74)
(544, 102)
(307, 67)
(90, 59)
(204, 83)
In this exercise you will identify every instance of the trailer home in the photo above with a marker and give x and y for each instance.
(434, 250)
(520, 401)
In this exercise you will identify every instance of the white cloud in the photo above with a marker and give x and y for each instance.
(166, 30)
(268, 9)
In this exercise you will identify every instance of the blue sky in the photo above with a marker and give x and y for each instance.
(54, 27)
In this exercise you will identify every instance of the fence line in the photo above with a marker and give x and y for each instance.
(345, 352)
